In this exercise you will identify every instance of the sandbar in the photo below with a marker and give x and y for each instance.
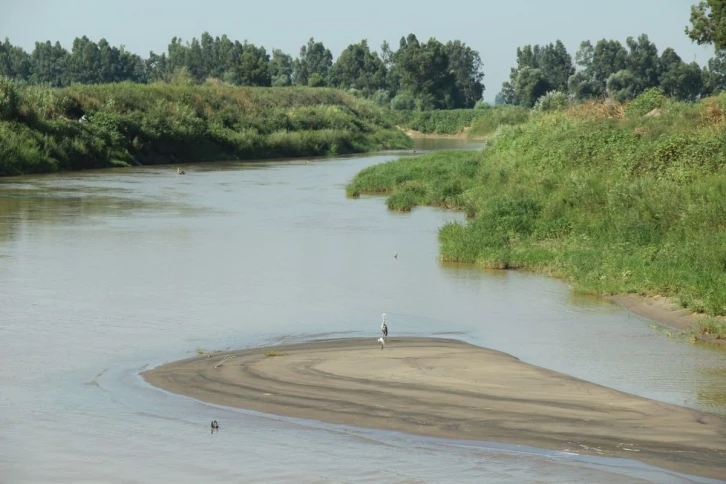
(451, 389)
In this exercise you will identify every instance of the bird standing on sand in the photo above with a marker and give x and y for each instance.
(384, 328)
(382, 341)
(215, 425)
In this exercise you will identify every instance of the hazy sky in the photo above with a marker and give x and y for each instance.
(494, 28)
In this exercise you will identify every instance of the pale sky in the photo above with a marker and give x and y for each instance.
(494, 28)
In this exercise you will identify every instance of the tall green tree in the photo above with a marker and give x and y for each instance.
(683, 81)
(393, 77)
(359, 68)
(466, 66)
(539, 69)
(623, 85)
(708, 23)
(49, 64)
(597, 63)
(530, 85)
(314, 59)
(424, 71)
(643, 62)
(714, 75)
(84, 62)
(14, 61)
(280, 68)
(252, 66)
(556, 65)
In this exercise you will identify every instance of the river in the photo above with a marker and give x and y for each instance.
(105, 273)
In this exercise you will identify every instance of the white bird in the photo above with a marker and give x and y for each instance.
(384, 328)
(382, 341)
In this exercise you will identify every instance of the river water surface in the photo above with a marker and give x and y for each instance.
(105, 273)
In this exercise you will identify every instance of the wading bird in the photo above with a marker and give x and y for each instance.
(384, 328)
(382, 341)
(215, 425)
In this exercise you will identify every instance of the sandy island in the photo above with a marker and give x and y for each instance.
(450, 389)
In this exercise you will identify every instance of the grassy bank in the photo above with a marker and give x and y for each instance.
(161, 123)
(475, 123)
(614, 199)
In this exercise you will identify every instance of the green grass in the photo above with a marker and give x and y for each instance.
(133, 124)
(710, 328)
(274, 353)
(476, 122)
(612, 203)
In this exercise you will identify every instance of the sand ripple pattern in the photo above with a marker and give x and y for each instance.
(450, 389)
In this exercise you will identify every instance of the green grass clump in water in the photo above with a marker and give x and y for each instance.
(438, 179)
(132, 124)
(613, 203)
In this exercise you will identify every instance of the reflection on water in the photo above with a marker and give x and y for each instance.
(105, 273)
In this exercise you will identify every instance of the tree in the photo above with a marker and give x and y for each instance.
(678, 79)
(685, 82)
(608, 57)
(714, 75)
(177, 54)
(530, 86)
(708, 23)
(643, 62)
(393, 78)
(556, 65)
(622, 86)
(14, 61)
(314, 58)
(501, 98)
(280, 68)
(424, 70)
(49, 63)
(360, 69)
(156, 67)
(252, 66)
(84, 62)
(465, 65)
(583, 85)
(539, 69)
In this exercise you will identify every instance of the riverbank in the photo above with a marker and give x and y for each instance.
(463, 135)
(96, 126)
(612, 199)
(667, 312)
(458, 123)
(450, 389)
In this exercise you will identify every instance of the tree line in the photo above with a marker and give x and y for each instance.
(418, 75)
(622, 71)
(609, 68)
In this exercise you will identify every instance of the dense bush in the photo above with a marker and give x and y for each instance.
(44, 129)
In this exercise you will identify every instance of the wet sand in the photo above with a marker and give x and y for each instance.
(450, 389)
(664, 311)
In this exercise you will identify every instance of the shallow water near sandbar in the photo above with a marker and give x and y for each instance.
(105, 273)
